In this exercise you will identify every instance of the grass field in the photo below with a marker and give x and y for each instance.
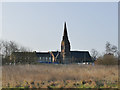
(59, 76)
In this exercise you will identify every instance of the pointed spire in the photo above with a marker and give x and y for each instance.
(65, 44)
(65, 29)
(65, 32)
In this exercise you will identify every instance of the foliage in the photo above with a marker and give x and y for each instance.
(8, 47)
(110, 48)
(110, 57)
(94, 54)
(107, 59)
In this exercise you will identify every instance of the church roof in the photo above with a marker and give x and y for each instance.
(76, 54)
(46, 54)
(80, 54)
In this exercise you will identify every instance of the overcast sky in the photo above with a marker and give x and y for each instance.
(39, 26)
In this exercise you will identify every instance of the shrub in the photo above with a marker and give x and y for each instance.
(107, 59)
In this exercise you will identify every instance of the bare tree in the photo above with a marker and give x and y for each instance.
(112, 49)
(13, 47)
(8, 47)
(23, 49)
(108, 47)
(94, 54)
(5, 48)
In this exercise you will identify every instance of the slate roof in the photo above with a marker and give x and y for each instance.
(44, 54)
(80, 54)
(47, 54)
(75, 54)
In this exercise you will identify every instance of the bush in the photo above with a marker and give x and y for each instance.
(107, 59)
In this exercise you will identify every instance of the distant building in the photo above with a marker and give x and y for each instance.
(65, 56)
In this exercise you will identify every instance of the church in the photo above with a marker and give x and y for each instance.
(66, 56)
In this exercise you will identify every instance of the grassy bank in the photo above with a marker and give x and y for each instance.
(61, 76)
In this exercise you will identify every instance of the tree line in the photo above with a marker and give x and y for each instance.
(8, 47)
(111, 55)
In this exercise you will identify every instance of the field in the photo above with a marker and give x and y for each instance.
(59, 76)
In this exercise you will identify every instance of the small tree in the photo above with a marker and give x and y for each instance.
(5, 48)
(108, 47)
(111, 49)
(8, 47)
(109, 57)
(13, 47)
(94, 54)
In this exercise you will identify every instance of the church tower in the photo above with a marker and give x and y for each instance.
(65, 47)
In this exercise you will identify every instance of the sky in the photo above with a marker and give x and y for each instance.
(39, 25)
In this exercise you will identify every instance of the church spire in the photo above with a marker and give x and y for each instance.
(65, 36)
(65, 46)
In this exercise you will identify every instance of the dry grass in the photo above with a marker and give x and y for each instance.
(47, 72)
